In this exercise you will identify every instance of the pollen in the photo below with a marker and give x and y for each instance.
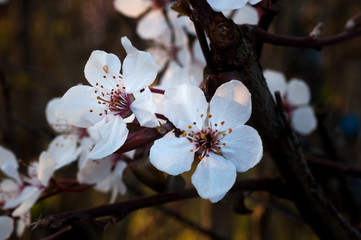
(106, 68)
(185, 134)
(202, 115)
(189, 126)
(192, 150)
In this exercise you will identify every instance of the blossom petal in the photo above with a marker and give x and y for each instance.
(28, 202)
(298, 92)
(144, 109)
(86, 144)
(226, 4)
(230, 105)
(46, 167)
(243, 147)
(214, 177)
(185, 105)
(253, 1)
(64, 149)
(246, 15)
(79, 107)
(276, 81)
(304, 120)
(95, 170)
(152, 25)
(6, 227)
(25, 193)
(59, 125)
(9, 164)
(139, 71)
(132, 8)
(128, 46)
(109, 135)
(22, 222)
(172, 155)
(102, 69)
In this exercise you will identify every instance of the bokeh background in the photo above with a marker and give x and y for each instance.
(44, 46)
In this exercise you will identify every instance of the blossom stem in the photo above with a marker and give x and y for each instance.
(155, 90)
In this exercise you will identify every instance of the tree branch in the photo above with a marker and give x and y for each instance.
(120, 210)
(255, 32)
(233, 52)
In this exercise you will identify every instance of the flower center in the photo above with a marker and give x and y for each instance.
(208, 139)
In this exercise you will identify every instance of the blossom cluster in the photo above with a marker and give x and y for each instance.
(91, 122)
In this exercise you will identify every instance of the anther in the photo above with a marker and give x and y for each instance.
(222, 122)
(90, 110)
(209, 115)
(194, 123)
(230, 130)
(202, 115)
(189, 126)
(192, 150)
(104, 76)
(106, 68)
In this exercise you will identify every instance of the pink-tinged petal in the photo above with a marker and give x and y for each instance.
(144, 109)
(46, 167)
(243, 147)
(103, 69)
(79, 107)
(25, 193)
(128, 46)
(298, 92)
(132, 8)
(9, 164)
(139, 71)
(152, 25)
(226, 4)
(246, 15)
(6, 227)
(172, 155)
(28, 202)
(304, 120)
(276, 81)
(64, 148)
(214, 177)
(185, 105)
(95, 170)
(109, 135)
(9, 189)
(230, 105)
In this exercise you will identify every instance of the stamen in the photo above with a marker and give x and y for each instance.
(106, 68)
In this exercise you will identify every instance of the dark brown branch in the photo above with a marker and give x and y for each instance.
(122, 209)
(299, 42)
(232, 52)
(337, 168)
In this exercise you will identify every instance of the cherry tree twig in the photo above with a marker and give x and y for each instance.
(124, 208)
(255, 32)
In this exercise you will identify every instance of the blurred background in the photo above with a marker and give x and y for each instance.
(44, 46)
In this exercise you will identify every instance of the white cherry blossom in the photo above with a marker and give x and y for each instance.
(104, 106)
(225, 5)
(214, 131)
(296, 97)
(6, 227)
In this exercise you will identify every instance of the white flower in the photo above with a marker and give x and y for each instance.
(153, 23)
(296, 97)
(230, 4)
(106, 173)
(111, 98)
(215, 131)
